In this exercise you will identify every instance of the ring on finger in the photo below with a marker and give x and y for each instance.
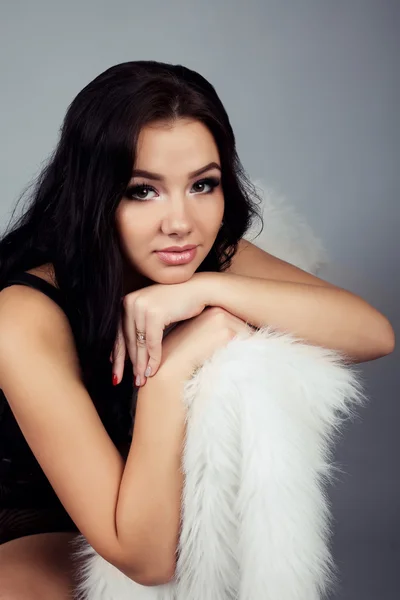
(141, 338)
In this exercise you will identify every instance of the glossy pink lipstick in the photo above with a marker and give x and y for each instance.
(176, 255)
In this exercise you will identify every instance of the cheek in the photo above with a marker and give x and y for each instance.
(127, 228)
(126, 219)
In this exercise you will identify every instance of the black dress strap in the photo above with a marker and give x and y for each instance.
(37, 283)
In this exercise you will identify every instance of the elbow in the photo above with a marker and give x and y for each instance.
(147, 575)
(389, 340)
(143, 571)
(148, 557)
(151, 577)
(380, 341)
(152, 568)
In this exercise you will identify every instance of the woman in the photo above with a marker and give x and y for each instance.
(146, 162)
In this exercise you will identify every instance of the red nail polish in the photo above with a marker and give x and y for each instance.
(114, 379)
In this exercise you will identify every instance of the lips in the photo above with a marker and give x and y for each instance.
(178, 248)
(177, 257)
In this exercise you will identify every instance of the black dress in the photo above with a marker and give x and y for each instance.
(28, 503)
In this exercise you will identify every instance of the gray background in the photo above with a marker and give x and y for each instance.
(312, 90)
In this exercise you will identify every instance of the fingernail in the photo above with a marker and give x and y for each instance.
(114, 379)
(137, 380)
(147, 371)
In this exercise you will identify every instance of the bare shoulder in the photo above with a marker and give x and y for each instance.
(29, 319)
(20, 300)
(21, 305)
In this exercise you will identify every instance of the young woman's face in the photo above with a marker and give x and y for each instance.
(170, 205)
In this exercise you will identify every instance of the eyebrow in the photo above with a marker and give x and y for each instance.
(157, 177)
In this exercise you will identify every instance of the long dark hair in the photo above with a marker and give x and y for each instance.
(70, 221)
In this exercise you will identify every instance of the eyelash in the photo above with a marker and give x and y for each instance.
(213, 182)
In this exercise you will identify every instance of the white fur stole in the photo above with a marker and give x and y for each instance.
(262, 416)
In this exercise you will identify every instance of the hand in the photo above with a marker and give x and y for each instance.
(191, 343)
(149, 310)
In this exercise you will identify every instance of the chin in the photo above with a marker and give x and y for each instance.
(174, 275)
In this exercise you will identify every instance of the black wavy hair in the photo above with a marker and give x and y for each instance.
(70, 221)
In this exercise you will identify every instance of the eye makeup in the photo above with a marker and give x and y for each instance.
(133, 191)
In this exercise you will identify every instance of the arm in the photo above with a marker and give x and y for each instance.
(39, 374)
(154, 467)
(319, 313)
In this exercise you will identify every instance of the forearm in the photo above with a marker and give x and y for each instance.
(148, 510)
(325, 316)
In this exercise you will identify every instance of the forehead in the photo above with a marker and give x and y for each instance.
(176, 147)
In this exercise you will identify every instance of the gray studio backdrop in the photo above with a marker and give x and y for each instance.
(312, 90)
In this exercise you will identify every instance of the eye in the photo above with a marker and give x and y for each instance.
(210, 182)
(139, 192)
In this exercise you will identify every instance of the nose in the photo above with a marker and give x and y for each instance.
(177, 218)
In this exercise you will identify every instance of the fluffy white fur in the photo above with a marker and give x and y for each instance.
(262, 415)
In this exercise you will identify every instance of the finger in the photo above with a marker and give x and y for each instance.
(141, 346)
(154, 337)
(118, 355)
